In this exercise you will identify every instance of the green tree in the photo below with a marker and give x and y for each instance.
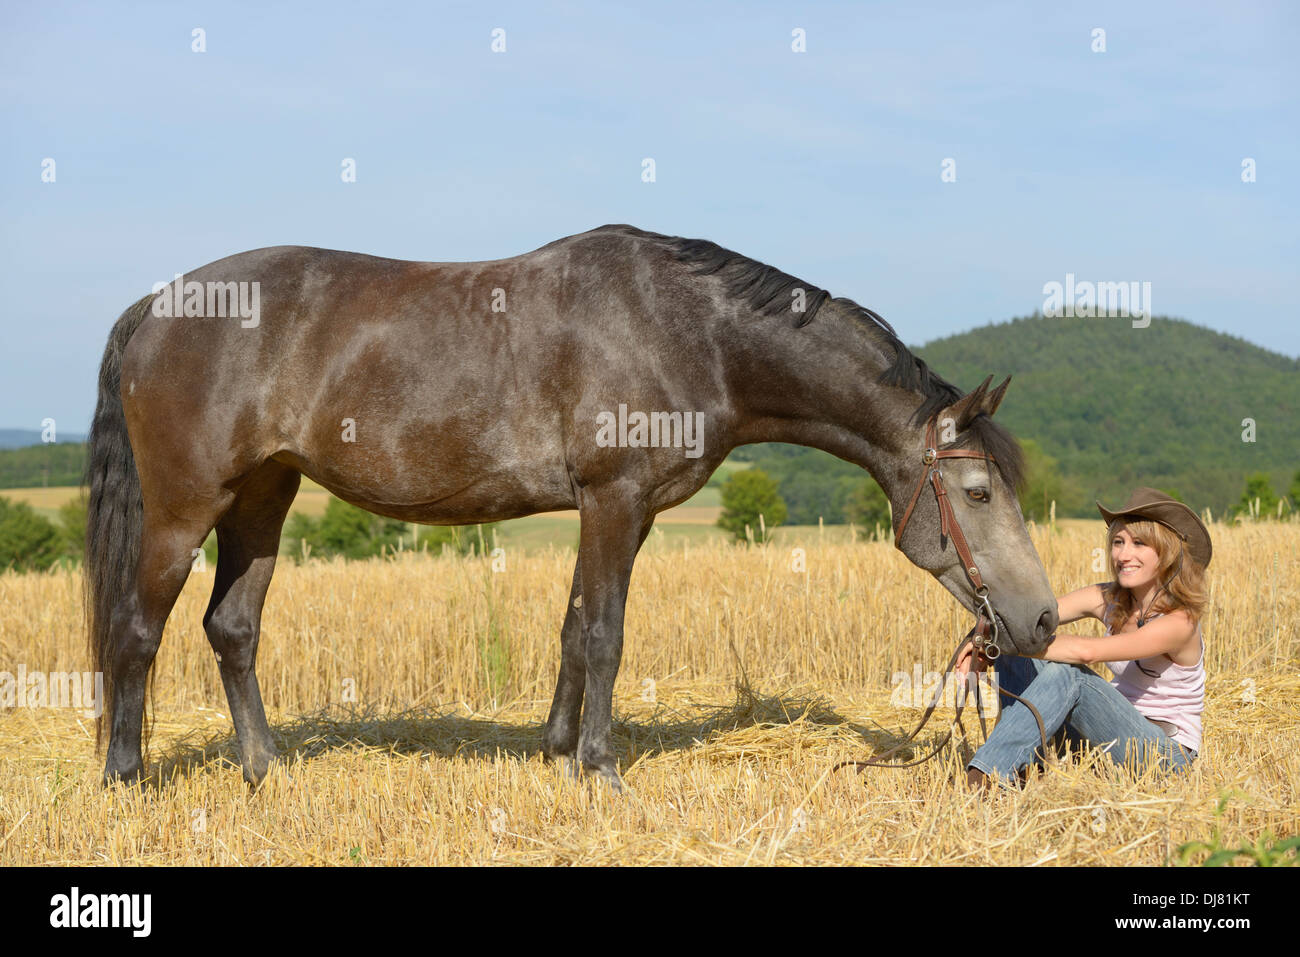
(868, 505)
(1293, 493)
(72, 528)
(28, 541)
(355, 533)
(462, 539)
(298, 531)
(746, 495)
(1045, 484)
(1258, 485)
(343, 530)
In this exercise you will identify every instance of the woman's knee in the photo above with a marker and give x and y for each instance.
(1056, 672)
(1015, 669)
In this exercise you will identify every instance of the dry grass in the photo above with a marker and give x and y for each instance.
(453, 666)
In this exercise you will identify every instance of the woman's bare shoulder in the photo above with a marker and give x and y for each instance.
(1188, 653)
(1184, 620)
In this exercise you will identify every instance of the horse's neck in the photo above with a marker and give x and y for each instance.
(814, 391)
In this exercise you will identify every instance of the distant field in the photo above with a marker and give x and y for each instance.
(692, 521)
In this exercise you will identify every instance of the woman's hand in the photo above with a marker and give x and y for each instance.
(969, 660)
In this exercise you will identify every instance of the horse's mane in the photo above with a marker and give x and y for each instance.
(768, 291)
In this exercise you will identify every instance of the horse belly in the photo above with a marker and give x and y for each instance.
(447, 481)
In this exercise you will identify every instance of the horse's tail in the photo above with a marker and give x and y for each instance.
(113, 510)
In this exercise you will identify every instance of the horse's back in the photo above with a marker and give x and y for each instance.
(437, 391)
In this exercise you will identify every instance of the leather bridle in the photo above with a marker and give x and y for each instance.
(949, 527)
(984, 634)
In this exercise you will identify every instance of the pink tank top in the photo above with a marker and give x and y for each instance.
(1166, 691)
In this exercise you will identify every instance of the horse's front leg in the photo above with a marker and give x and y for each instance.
(613, 528)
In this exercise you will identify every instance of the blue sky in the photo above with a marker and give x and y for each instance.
(1122, 165)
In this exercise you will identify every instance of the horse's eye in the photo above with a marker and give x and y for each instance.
(978, 494)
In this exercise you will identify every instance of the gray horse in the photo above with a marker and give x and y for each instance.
(611, 372)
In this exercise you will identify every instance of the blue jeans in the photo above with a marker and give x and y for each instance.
(1078, 700)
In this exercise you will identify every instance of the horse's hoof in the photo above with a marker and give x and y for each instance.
(611, 778)
(127, 777)
(255, 771)
(608, 774)
(568, 766)
(559, 756)
(574, 770)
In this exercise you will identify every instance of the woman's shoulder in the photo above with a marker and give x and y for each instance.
(1193, 647)
(1183, 617)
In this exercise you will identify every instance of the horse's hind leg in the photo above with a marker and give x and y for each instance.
(248, 540)
(167, 546)
(560, 739)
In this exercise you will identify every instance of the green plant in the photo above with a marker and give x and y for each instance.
(343, 530)
(461, 539)
(28, 541)
(1259, 488)
(1267, 851)
(494, 646)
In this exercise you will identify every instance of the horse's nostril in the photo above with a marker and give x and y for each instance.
(1046, 623)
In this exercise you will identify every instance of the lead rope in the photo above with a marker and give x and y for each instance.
(974, 636)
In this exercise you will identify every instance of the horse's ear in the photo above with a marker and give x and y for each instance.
(969, 405)
(995, 397)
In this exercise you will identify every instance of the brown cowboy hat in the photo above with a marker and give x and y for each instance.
(1154, 505)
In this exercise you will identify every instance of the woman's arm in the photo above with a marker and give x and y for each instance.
(1086, 602)
(1167, 633)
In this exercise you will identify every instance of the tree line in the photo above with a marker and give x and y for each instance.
(31, 542)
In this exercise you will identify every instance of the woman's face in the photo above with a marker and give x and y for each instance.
(1136, 562)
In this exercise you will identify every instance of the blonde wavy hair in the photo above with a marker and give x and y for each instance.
(1186, 590)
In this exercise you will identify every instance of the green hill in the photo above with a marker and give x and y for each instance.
(1119, 407)
(1116, 407)
(37, 466)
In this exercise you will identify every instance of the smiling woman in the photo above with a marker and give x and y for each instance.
(1151, 708)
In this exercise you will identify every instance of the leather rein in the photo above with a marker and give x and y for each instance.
(985, 632)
